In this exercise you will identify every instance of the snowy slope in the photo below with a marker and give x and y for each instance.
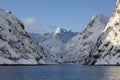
(79, 47)
(107, 48)
(53, 43)
(16, 46)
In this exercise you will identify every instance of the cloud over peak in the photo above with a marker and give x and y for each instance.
(36, 26)
(30, 21)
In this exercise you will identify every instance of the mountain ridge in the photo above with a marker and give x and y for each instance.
(78, 47)
(59, 48)
(106, 51)
(16, 45)
(53, 43)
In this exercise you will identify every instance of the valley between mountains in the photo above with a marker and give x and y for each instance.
(97, 44)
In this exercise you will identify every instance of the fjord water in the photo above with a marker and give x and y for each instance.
(60, 72)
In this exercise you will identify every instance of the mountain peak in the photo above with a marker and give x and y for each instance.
(59, 30)
(102, 18)
(107, 49)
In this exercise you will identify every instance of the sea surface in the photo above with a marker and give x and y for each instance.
(60, 72)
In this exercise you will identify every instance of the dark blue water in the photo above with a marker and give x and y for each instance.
(59, 72)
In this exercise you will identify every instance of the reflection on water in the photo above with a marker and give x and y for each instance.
(113, 73)
(61, 72)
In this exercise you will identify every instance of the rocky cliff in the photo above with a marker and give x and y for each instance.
(16, 46)
(107, 49)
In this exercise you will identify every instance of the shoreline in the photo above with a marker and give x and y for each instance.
(53, 65)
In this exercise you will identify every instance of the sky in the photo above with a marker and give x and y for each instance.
(42, 16)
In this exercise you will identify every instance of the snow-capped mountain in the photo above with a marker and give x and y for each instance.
(63, 34)
(53, 43)
(59, 33)
(107, 48)
(79, 47)
(68, 47)
(16, 46)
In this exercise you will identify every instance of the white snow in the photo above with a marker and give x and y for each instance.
(108, 46)
(6, 61)
(16, 47)
(53, 43)
(67, 46)
(57, 31)
(42, 61)
(26, 61)
(79, 47)
(98, 43)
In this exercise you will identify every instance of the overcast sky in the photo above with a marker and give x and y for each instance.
(45, 15)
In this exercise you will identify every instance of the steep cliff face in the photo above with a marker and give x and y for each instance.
(79, 47)
(107, 48)
(16, 46)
